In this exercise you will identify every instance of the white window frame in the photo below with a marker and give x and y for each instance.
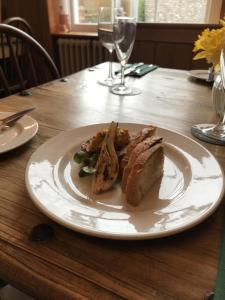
(212, 14)
(87, 27)
(78, 27)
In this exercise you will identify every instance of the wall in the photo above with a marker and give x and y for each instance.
(223, 10)
(36, 13)
(168, 45)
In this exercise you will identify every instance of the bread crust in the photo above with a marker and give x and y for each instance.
(140, 147)
(145, 133)
(135, 190)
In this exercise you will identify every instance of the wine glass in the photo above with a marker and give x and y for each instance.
(105, 34)
(215, 133)
(124, 32)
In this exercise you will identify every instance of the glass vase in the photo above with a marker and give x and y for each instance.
(214, 133)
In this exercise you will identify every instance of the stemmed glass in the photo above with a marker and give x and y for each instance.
(105, 34)
(215, 133)
(124, 32)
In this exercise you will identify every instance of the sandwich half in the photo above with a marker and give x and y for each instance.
(141, 136)
(144, 169)
(107, 167)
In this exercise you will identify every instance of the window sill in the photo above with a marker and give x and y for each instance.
(75, 33)
(142, 27)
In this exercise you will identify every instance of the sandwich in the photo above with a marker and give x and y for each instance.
(141, 136)
(143, 169)
(141, 165)
(107, 167)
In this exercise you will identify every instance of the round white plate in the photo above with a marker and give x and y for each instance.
(191, 189)
(199, 74)
(17, 135)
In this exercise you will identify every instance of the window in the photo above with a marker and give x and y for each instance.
(85, 12)
(179, 11)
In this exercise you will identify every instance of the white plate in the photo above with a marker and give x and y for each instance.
(199, 74)
(22, 131)
(191, 189)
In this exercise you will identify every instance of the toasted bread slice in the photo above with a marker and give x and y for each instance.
(147, 169)
(140, 147)
(145, 132)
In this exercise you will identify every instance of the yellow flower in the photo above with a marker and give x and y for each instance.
(209, 45)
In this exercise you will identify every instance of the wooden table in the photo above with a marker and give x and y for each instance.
(76, 266)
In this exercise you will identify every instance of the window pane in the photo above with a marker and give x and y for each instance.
(172, 11)
(151, 11)
(88, 10)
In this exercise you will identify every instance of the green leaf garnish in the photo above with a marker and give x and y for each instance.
(85, 171)
(80, 156)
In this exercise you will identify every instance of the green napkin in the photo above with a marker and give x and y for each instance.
(138, 69)
(141, 71)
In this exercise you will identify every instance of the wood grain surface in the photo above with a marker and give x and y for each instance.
(76, 266)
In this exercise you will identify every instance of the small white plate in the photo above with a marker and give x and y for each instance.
(191, 189)
(199, 74)
(20, 133)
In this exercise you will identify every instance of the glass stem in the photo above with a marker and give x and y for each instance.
(110, 76)
(122, 75)
(220, 126)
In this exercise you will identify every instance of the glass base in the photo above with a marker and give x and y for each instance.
(208, 133)
(124, 90)
(109, 81)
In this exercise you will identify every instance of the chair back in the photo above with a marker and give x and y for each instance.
(24, 63)
(19, 23)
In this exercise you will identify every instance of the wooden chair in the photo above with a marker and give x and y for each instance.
(19, 23)
(24, 63)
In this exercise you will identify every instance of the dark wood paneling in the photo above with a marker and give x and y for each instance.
(36, 13)
(144, 50)
(182, 56)
(179, 33)
(163, 54)
(168, 45)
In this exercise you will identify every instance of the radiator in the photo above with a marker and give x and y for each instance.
(78, 54)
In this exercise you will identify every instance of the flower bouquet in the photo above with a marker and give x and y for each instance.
(210, 44)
